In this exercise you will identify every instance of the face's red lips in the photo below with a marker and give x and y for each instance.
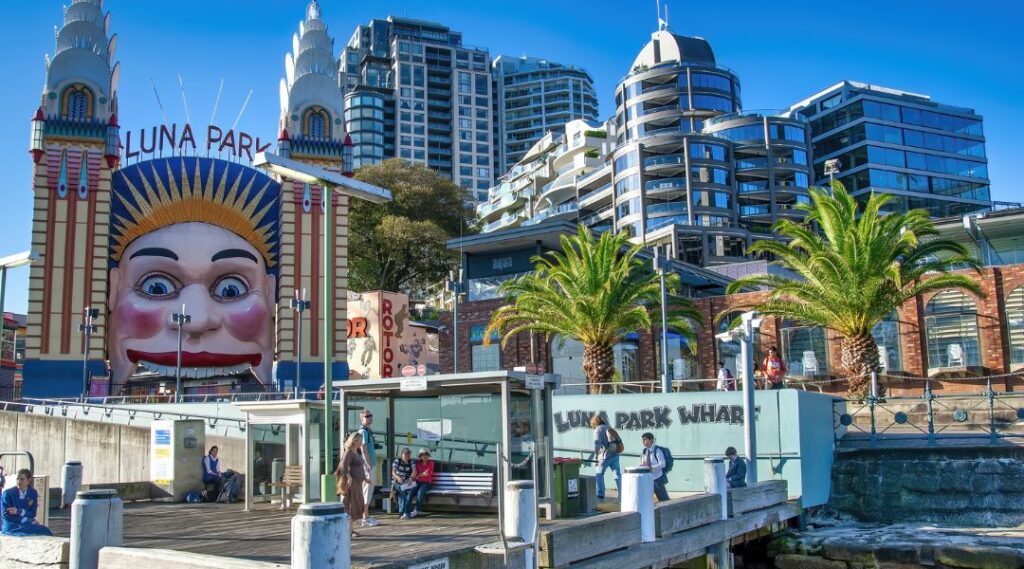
(195, 359)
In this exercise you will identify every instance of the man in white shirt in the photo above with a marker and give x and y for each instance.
(725, 381)
(653, 457)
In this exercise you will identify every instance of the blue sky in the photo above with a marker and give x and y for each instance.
(966, 54)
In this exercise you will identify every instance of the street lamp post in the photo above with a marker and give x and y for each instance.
(87, 328)
(832, 166)
(456, 287)
(749, 323)
(661, 265)
(180, 318)
(330, 182)
(300, 304)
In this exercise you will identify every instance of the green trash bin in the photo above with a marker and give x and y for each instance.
(567, 487)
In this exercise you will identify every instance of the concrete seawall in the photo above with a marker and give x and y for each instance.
(109, 453)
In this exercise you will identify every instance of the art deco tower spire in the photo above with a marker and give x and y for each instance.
(82, 77)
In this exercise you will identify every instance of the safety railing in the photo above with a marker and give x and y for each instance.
(985, 417)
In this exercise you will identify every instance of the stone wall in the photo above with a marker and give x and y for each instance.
(969, 486)
(34, 552)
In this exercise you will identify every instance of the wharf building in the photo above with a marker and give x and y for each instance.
(680, 166)
(926, 155)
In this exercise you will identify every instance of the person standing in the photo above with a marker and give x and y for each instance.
(403, 483)
(774, 369)
(368, 450)
(736, 475)
(653, 457)
(725, 381)
(351, 473)
(424, 477)
(606, 452)
(20, 504)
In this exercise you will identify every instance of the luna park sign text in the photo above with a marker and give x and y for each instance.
(655, 417)
(170, 139)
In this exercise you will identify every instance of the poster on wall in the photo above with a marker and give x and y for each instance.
(433, 429)
(162, 460)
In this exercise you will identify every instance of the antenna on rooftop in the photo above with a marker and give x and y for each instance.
(158, 102)
(666, 15)
(242, 110)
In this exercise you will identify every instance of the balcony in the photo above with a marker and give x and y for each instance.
(754, 210)
(668, 160)
(506, 221)
(566, 209)
(596, 196)
(752, 187)
(487, 210)
(654, 88)
(669, 208)
(665, 184)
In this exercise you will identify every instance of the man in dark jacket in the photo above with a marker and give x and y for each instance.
(736, 475)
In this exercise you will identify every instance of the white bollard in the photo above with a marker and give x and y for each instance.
(520, 517)
(638, 496)
(321, 537)
(714, 482)
(71, 482)
(97, 520)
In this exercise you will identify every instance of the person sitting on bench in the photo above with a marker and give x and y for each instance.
(212, 476)
(20, 504)
(423, 474)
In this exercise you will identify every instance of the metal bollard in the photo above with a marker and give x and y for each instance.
(97, 520)
(638, 496)
(71, 482)
(321, 538)
(520, 517)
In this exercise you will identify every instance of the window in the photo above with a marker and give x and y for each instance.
(78, 103)
(887, 335)
(484, 358)
(804, 349)
(951, 325)
(882, 111)
(712, 102)
(704, 151)
(1015, 324)
(318, 124)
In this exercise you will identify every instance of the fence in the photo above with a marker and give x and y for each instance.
(988, 417)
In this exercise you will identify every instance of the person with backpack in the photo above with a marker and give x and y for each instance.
(607, 448)
(659, 460)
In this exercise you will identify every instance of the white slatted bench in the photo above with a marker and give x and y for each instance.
(463, 485)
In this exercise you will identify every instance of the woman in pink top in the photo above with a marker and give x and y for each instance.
(423, 474)
(774, 369)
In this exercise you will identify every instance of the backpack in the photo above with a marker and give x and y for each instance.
(614, 441)
(669, 461)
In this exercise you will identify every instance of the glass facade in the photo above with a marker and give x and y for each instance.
(804, 349)
(927, 155)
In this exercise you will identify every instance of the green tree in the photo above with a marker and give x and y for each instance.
(858, 269)
(400, 245)
(595, 290)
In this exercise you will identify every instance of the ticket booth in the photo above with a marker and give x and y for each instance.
(291, 431)
(464, 420)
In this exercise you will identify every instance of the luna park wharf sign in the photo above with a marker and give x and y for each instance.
(181, 139)
(656, 417)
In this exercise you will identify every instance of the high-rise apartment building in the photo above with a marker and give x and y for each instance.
(414, 91)
(925, 154)
(679, 166)
(536, 96)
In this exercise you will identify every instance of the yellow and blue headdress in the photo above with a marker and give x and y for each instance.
(158, 193)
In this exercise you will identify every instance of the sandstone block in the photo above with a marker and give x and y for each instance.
(34, 550)
(791, 561)
(977, 557)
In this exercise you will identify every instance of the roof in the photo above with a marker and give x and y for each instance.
(666, 46)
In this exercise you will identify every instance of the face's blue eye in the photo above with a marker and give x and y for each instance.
(157, 285)
(229, 288)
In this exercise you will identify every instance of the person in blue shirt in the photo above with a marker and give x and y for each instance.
(736, 475)
(20, 504)
(605, 454)
(212, 476)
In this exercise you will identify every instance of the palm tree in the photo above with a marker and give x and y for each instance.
(861, 267)
(595, 290)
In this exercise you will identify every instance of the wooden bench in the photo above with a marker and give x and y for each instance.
(291, 482)
(463, 486)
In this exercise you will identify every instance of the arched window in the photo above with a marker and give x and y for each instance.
(804, 349)
(951, 325)
(1015, 324)
(887, 336)
(77, 104)
(318, 125)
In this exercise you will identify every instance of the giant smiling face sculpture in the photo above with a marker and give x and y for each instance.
(221, 281)
(195, 237)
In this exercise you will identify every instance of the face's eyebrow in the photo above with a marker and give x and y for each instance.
(231, 253)
(154, 252)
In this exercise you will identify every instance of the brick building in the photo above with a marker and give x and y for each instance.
(948, 336)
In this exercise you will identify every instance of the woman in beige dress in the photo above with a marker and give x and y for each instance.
(351, 473)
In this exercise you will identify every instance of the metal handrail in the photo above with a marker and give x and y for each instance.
(64, 405)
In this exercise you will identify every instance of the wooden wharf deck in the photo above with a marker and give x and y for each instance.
(227, 530)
